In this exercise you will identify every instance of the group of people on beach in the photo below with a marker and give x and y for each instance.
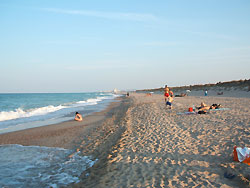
(169, 98)
(202, 109)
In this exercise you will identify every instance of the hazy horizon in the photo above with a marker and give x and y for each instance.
(76, 46)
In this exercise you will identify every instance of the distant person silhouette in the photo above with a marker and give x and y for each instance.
(205, 92)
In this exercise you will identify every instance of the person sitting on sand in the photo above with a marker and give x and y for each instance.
(78, 117)
(169, 101)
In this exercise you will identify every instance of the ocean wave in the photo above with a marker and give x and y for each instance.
(51, 111)
(20, 113)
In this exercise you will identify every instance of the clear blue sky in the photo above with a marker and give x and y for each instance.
(78, 46)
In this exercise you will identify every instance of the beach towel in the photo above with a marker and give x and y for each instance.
(186, 113)
(242, 154)
(218, 109)
(189, 113)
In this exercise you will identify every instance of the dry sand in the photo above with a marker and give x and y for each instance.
(162, 149)
(141, 143)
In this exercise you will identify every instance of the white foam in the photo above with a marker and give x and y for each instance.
(20, 119)
(20, 113)
(36, 166)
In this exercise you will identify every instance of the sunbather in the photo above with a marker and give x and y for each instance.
(215, 106)
(203, 107)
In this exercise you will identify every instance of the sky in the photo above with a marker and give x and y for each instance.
(97, 45)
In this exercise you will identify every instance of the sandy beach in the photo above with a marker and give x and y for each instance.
(134, 73)
(162, 149)
(139, 142)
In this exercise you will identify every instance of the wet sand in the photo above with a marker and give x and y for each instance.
(71, 134)
(139, 142)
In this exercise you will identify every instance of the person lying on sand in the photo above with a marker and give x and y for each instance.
(181, 95)
(215, 106)
(220, 93)
(203, 107)
(78, 117)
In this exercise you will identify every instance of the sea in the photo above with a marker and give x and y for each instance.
(37, 166)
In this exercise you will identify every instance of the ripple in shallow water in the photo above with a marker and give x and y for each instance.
(35, 166)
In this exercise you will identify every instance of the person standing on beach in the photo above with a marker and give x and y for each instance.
(205, 92)
(78, 117)
(166, 92)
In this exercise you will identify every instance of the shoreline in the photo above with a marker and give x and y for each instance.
(159, 148)
(24, 115)
(91, 138)
(66, 134)
(139, 142)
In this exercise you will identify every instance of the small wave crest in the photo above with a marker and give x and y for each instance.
(61, 109)
(96, 100)
(20, 113)
(21, 118)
